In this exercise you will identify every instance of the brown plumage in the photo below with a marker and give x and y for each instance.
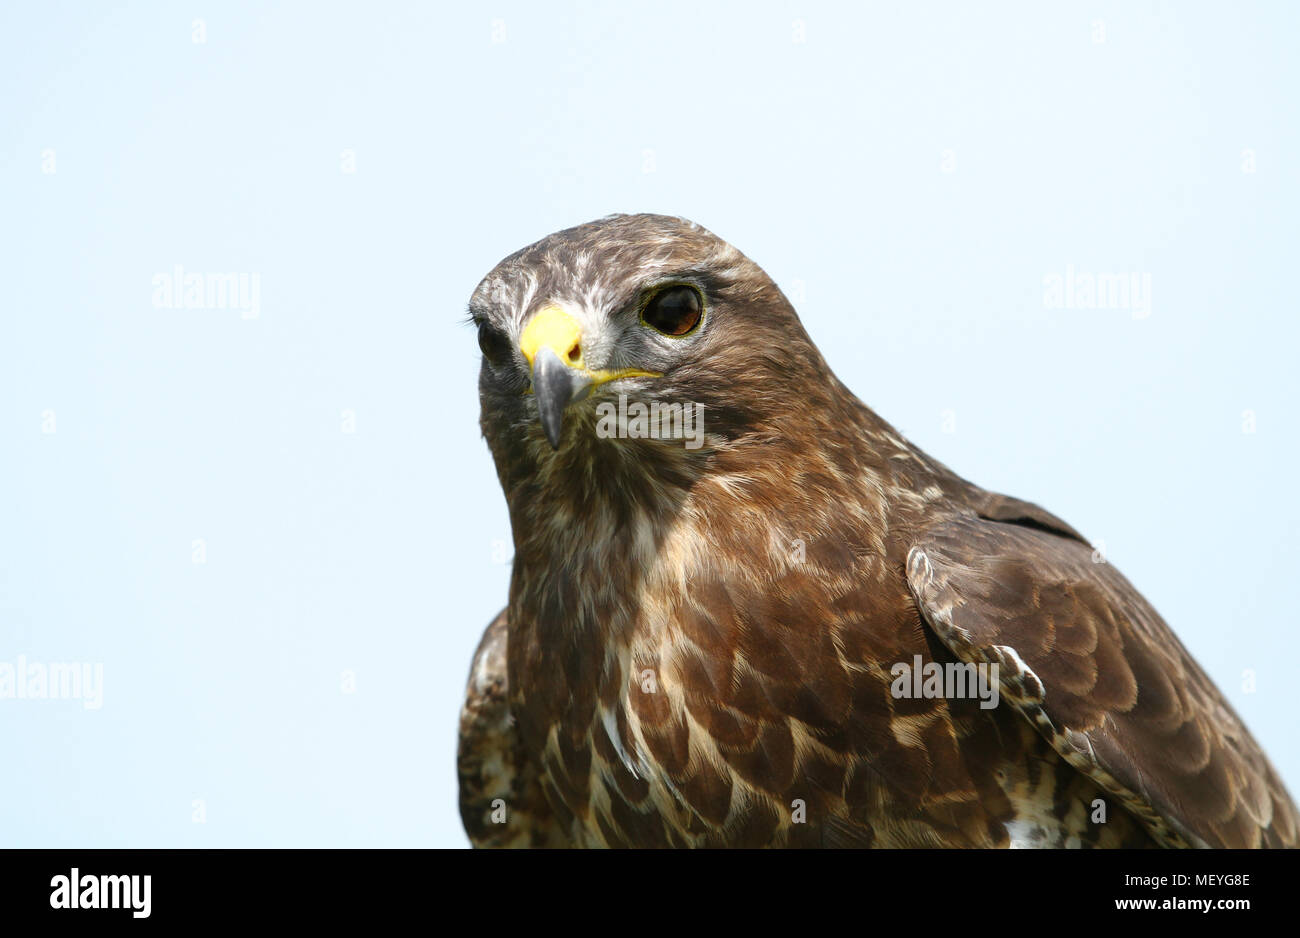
(699, 642)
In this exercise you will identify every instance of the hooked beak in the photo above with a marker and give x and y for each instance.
(556, 386)
(552, 343)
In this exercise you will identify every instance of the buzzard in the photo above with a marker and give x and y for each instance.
(740, 599)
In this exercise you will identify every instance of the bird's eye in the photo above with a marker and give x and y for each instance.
(674, 311)
(493, 343)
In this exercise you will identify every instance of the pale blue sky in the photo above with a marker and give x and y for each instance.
(911, 174)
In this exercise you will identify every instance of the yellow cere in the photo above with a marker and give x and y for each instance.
(557, 329)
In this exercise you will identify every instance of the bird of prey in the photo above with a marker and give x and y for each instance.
(709, 636)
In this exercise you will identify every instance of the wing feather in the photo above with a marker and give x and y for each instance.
(1094, 667)
(501, 799)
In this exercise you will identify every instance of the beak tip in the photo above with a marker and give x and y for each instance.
(552, 431)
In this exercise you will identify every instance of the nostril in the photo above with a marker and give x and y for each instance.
(575, 353)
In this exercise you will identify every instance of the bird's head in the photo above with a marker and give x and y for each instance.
(586, 327)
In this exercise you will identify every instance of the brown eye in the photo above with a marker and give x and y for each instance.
(674, 311)
(493, 343)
